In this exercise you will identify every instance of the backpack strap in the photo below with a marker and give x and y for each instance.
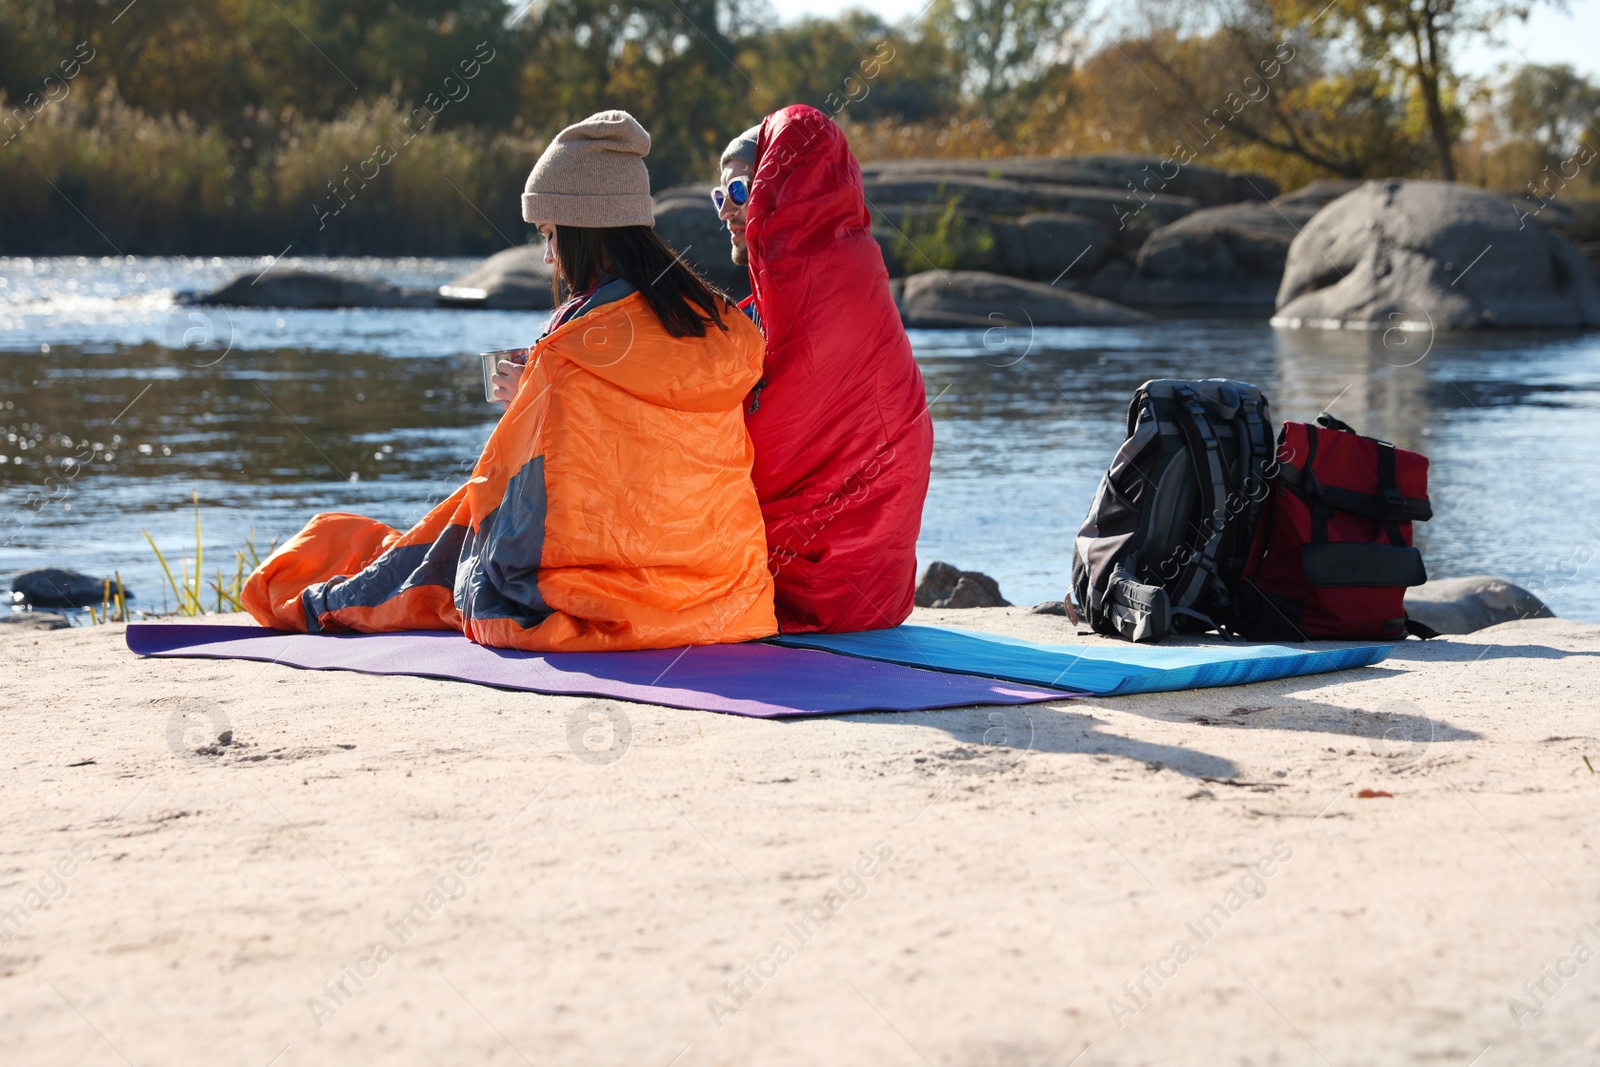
(1320, 511)
(1206, 452)
(1387, 488)
(1141, 397)
(1256, 437)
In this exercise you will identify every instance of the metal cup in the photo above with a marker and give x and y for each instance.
(491, 364)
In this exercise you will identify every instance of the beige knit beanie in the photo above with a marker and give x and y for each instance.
(592, 175)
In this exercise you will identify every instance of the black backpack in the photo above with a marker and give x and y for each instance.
(1168, 536)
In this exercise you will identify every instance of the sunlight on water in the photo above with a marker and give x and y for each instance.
(275, 414)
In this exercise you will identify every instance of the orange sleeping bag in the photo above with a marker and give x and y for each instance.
(612, 508)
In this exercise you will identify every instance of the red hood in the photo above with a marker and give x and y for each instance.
(807, 190)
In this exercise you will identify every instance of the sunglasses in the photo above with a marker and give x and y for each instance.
(738, 191)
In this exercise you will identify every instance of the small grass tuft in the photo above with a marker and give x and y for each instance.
(192, 590)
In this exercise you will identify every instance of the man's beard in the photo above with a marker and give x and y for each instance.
(741, 255)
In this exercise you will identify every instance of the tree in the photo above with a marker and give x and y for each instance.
(670, 63)
(212, 59)
(1003, 42)
(1554, 105)
(855, 64)
(1244, 92)
(1411, 43)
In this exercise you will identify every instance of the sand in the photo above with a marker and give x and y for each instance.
(421, 872)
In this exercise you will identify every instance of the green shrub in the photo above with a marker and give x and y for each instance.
(945, 240)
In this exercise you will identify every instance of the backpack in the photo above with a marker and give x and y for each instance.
(1334, 556)
(1169, 534)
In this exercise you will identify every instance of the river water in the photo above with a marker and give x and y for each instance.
(272, 415)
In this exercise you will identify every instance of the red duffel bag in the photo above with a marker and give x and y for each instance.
(1333, 556)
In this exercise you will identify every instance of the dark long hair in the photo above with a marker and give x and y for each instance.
(681, 299)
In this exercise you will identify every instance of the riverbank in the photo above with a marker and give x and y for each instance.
(984, 886)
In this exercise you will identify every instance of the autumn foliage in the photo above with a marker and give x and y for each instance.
(407, 126)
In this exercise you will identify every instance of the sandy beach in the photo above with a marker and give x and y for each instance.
(416, 871)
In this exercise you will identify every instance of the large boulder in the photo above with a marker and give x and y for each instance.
(962, 299)
(1107, 283)
(1576, 220)
(517, 278)
(1467, 605)
(1063, 245)
(294, 287)
(1318, 194)
(1206, 186)
(514, 279)
(687, 220)
(56, 587)
(1228, 257)
(1129, 218)
(1433, 255)
(1057, 248)
(917, 237)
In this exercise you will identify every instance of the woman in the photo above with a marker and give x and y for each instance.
(612, 507)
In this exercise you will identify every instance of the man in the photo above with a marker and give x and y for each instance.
(843, 438)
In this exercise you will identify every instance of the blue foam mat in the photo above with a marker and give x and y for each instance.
(1103, 668)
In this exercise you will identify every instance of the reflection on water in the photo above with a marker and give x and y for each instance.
(267, 438)
(362, 416)
(1381, 389)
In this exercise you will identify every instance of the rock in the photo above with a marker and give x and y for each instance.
(911, 239)
(53, 587)
(1206, 186)
(687, 220)
(1049, 607)
(1063, 245)
(1106, 283)
(685, 191)
(897, 290)
(975, 299)
(1318, 194)
(292, 287)
(517, 278)
(1008, 252)
(1433, 255)
(1219, 257)
(945, 586)
(514, 279)
(1117, 212)
(974, 591)
(33, 620)
(1547, 629)
(1576, 220)
(1467, 605)
(938, 581)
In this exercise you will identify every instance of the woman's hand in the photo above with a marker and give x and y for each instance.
(505, 379)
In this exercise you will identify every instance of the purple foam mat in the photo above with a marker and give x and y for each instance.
(760, 680)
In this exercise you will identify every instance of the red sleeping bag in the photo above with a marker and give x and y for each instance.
(842, 433)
